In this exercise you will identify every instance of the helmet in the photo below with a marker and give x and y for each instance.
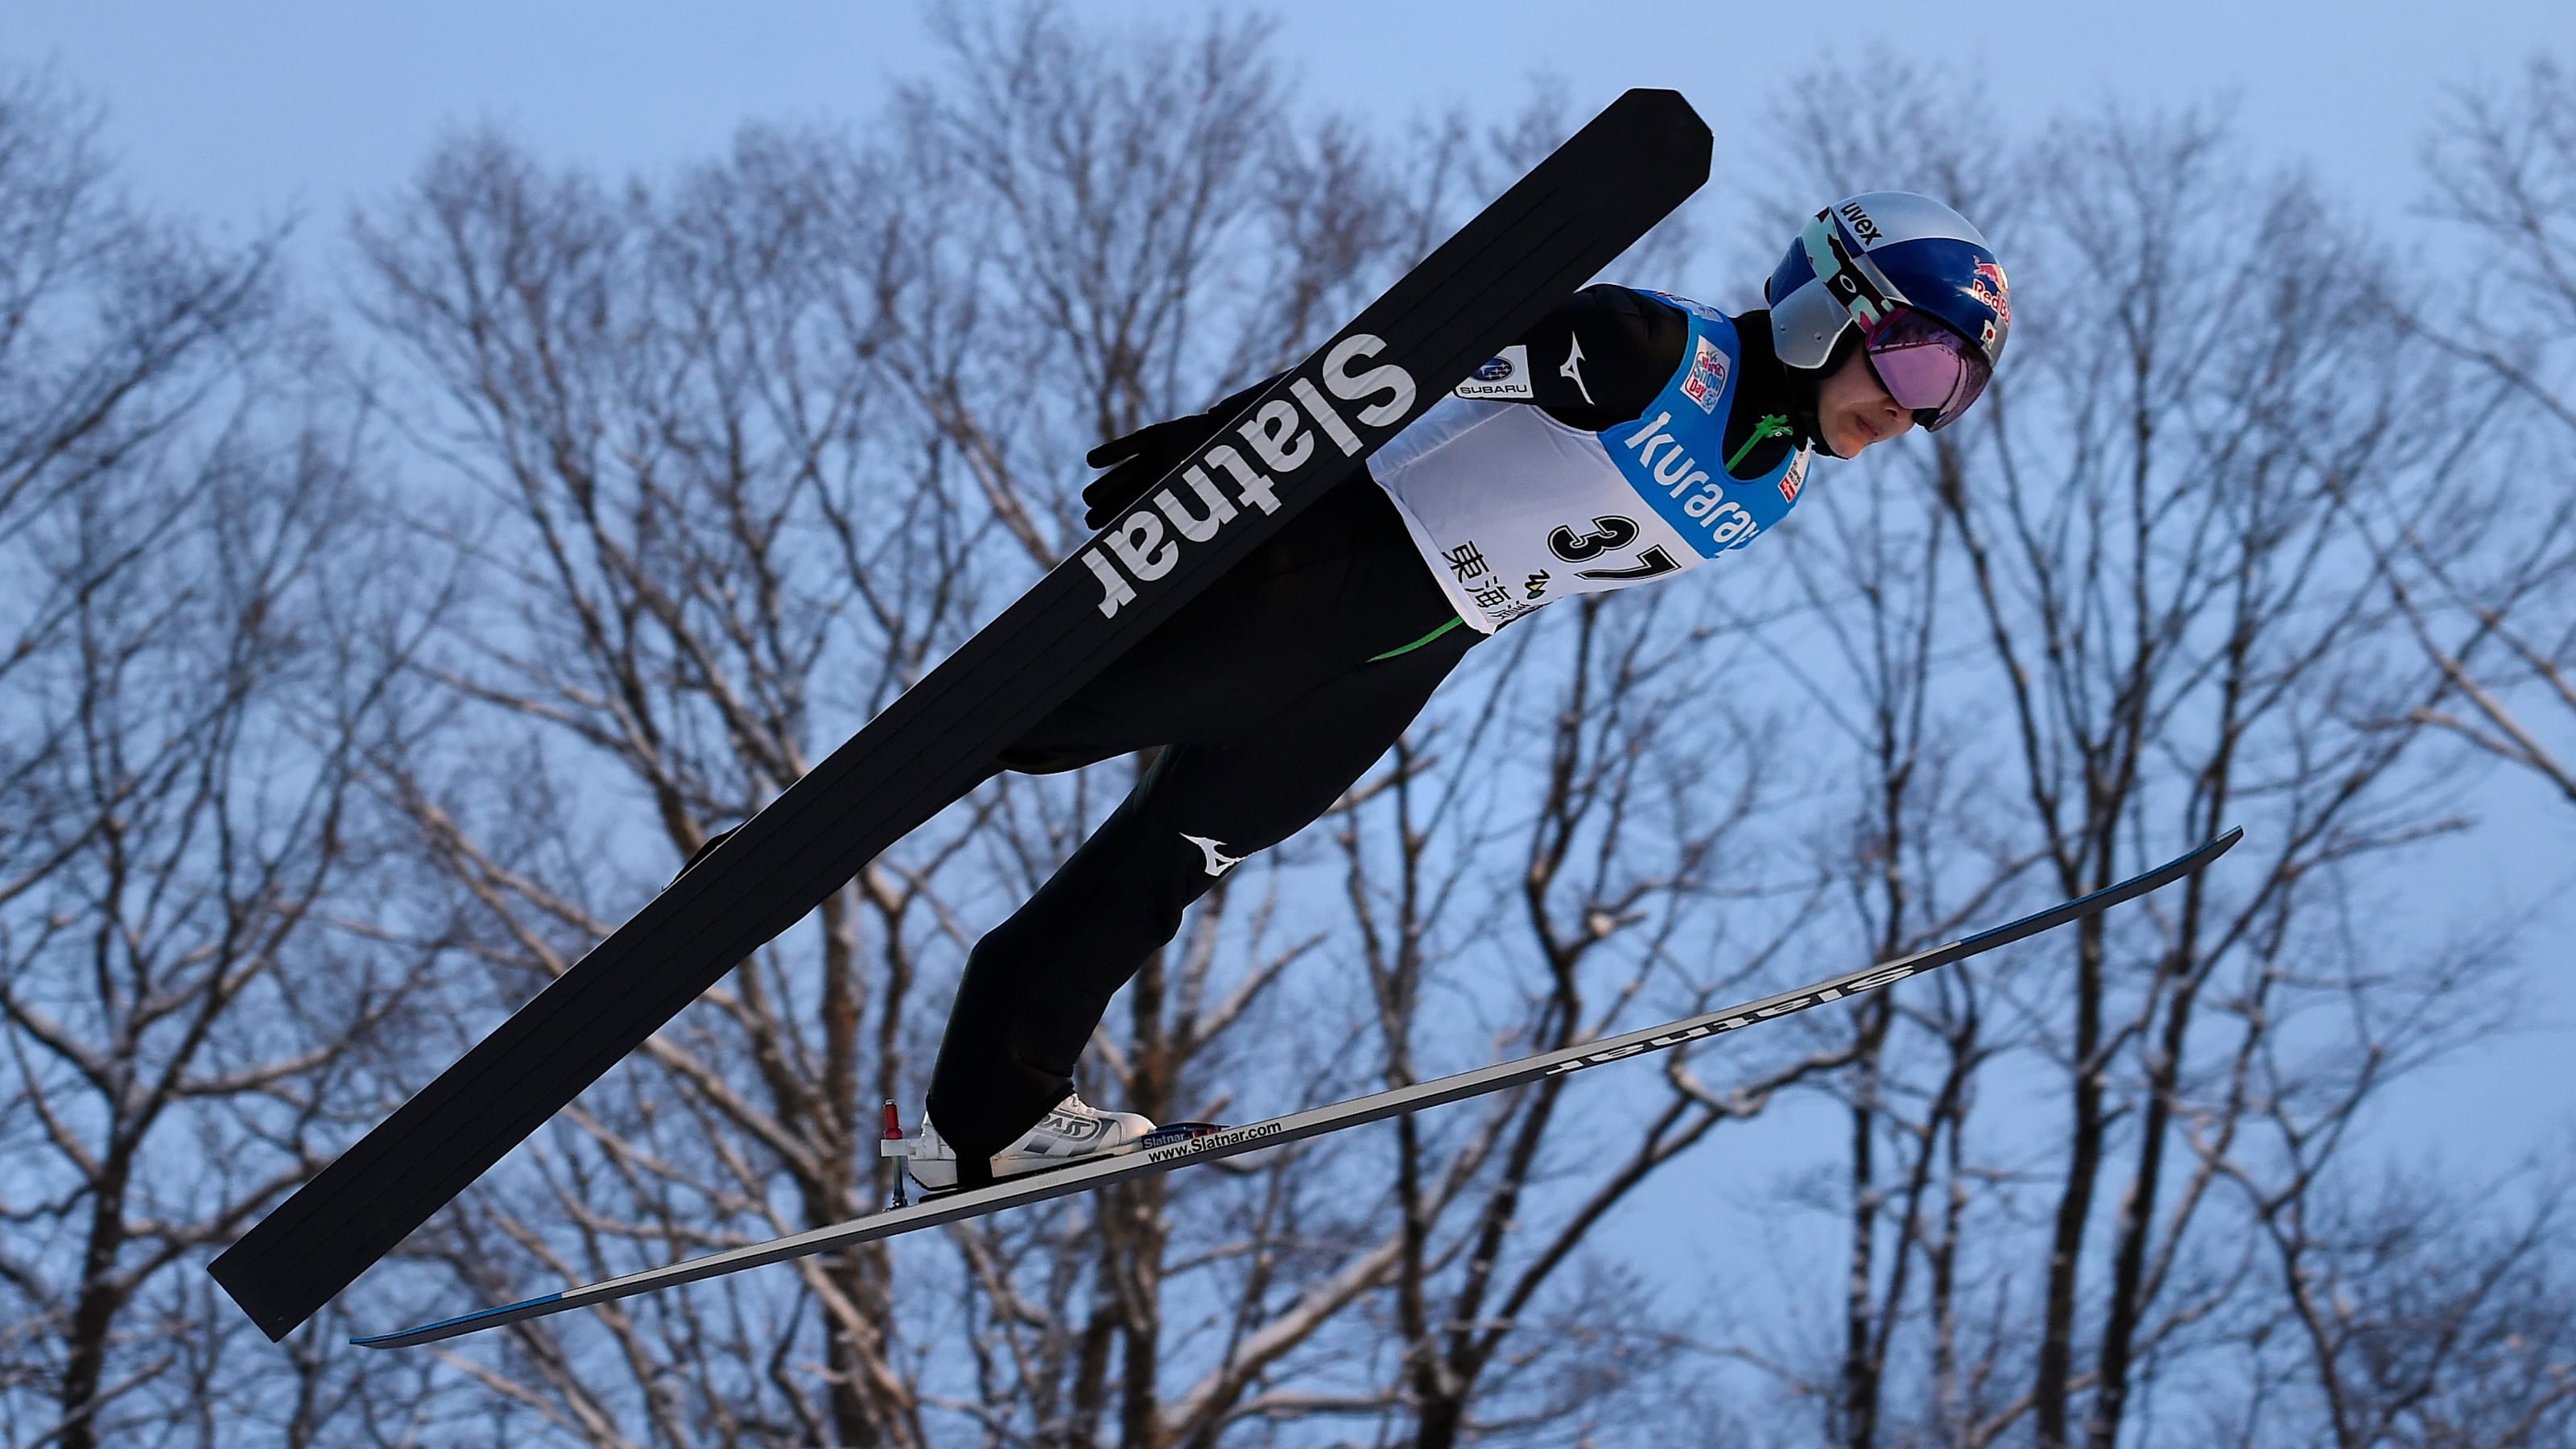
(1901, 271)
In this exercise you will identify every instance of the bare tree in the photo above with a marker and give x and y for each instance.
(660, 421)
(2419, 1318)
(2494, 615)
(114, 330)
(194, 666)
(2156, 536)
(1612, 758)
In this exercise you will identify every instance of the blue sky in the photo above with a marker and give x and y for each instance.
(245, 114)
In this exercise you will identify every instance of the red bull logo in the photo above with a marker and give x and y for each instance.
(1987, 285)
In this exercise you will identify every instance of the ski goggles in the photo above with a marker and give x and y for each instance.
(1931, 371)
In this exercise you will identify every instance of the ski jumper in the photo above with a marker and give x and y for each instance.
(1629, 435)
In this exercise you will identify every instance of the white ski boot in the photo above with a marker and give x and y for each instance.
(1073, 1130)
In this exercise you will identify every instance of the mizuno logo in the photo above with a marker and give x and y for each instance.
(1218, 862)
(1574, 369)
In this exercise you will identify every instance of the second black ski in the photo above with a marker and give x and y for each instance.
(1196, 1147)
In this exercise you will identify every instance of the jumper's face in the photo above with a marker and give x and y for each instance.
(1854, 411)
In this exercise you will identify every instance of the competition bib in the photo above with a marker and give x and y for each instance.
(1514, 510)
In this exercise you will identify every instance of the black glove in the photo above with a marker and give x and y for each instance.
(1140, 458)
(1137, 460)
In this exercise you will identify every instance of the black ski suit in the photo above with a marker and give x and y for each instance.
(1269, 695)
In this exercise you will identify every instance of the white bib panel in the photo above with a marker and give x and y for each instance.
(1482, 487)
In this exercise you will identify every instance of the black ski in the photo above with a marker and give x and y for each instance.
(1549, 234)
(950, 1207)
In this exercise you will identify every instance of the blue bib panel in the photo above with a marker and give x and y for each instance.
(1674, 455)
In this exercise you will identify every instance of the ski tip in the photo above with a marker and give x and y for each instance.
(451, 1327)
(1668, 117)
(2190, 862)
(2216, 846)
(1656, 103)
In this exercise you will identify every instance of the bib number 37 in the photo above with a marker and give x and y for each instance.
(1609, 534)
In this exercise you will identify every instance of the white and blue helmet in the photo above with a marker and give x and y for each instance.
(1885, 264)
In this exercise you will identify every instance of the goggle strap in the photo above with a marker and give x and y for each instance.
(1844, 281)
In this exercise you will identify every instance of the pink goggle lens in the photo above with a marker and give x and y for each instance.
(1931, 371)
